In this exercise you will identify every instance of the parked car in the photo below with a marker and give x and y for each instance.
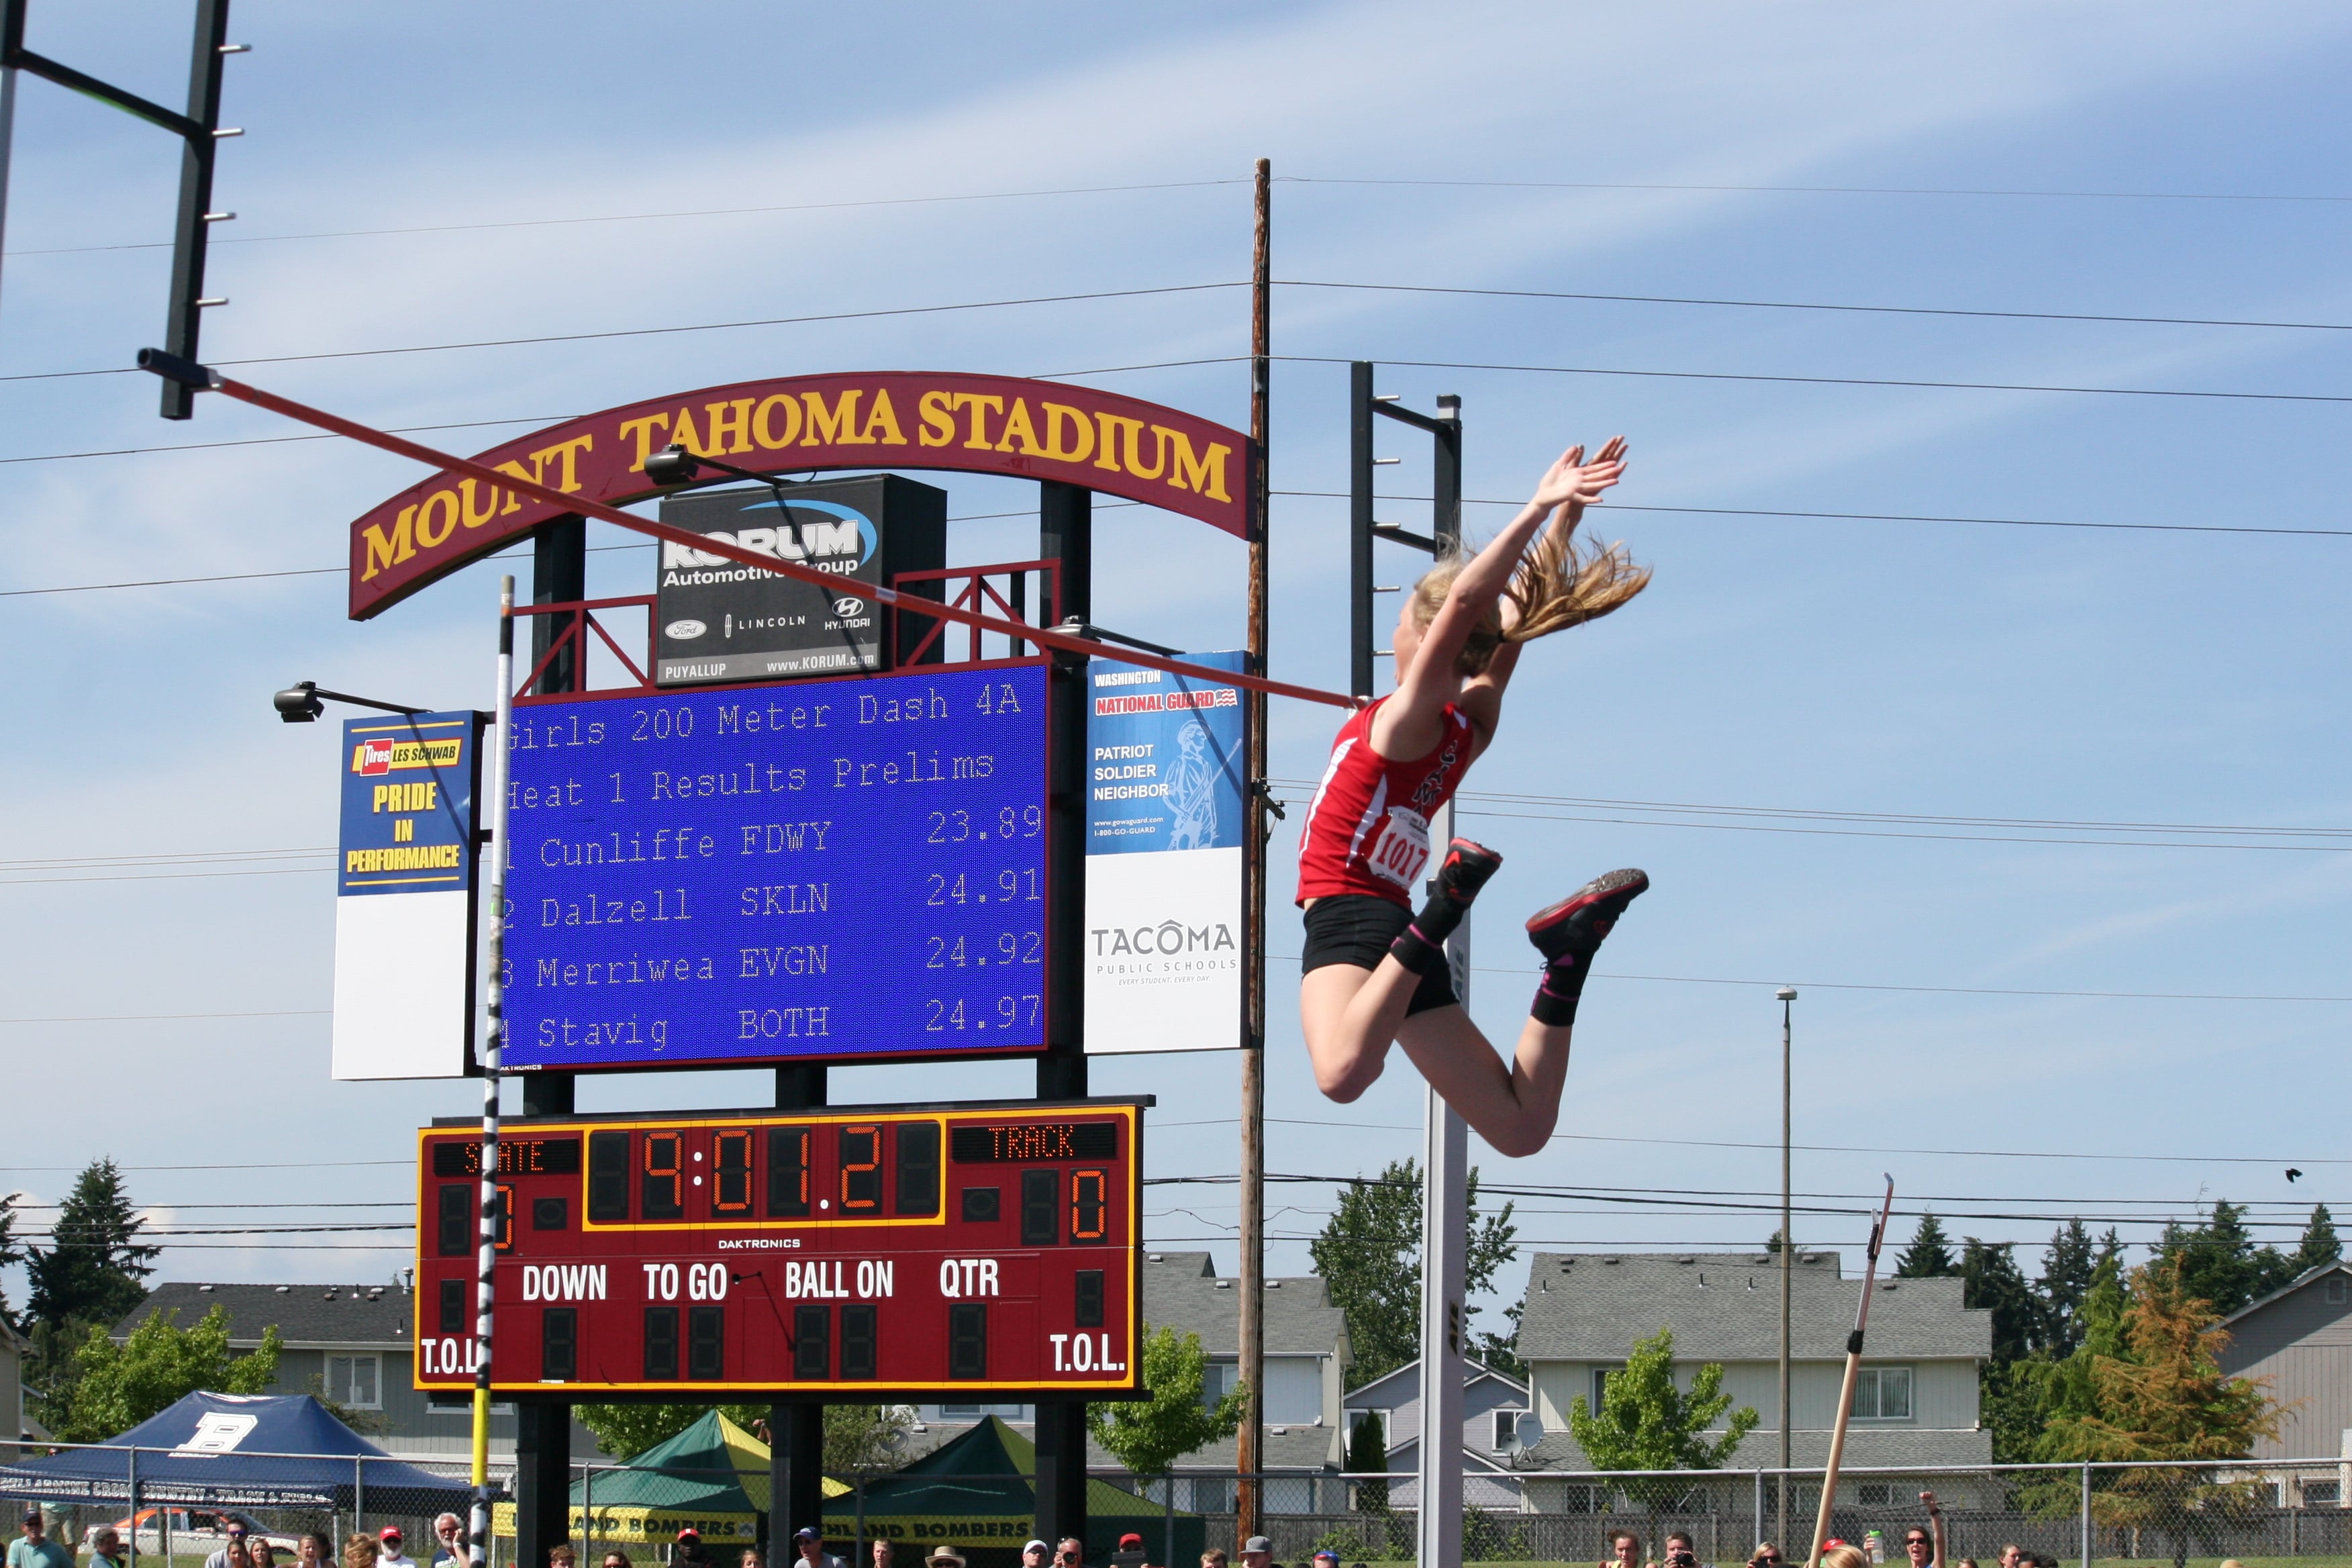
(195, 1531)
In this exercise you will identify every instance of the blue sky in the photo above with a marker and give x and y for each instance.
(1856, 667)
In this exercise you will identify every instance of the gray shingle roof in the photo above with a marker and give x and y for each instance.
(1180, 1290)
(1591, 1306)
(304, 1314)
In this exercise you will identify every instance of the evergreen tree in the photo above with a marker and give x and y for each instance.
(2218, 1262)
(91, 1272)
(1367, 1454)
(2066, 1270)
(1994, 1281)
(1929, 1256)
(1368, 1255)
(2319, 1243)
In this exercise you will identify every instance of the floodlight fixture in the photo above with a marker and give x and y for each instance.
(302, 702)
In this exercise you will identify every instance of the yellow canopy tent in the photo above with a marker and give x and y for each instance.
(712, 1478)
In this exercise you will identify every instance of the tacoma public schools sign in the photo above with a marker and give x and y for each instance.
(893, 419)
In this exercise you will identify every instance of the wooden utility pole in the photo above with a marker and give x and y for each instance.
(1246, 1447)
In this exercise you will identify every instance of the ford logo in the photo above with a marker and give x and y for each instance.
(684, 631)
(848, 607)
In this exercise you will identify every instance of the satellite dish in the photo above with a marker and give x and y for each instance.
(1529, 1431)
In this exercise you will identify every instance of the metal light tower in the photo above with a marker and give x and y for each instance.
(1786, 995)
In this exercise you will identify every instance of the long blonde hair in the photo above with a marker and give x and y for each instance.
(1558, 586)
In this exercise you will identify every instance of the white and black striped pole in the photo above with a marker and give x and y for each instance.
(493, 1050)
(1852, 1375)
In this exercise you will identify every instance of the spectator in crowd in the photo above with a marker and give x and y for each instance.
(1844, 1556)
(388, 1549)
(229, 1553)
(1255, 1551)
(617, 1558)
(261, 1554)
(1034, 1554)
(1682, 1551)
(1766, 1555)
(105, 1547)
(752, 1558)
(1627, 1548)
(809, 1542)
(360, 1552)
(560, 1555)
(1966, 1563)
(1926, 1547)
(1130, 1552)
(945, 1557)
(1070, 1554)
(1214, 1557)
(884, 1553)
(2010, 1553)
(690, 1549)
(314, 1549)
(447, 1545)
(1327, 1558)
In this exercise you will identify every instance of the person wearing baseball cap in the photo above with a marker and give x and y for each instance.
(1255, 1551)
(35, 1550)
(809, 1542)
(1034, 1554)
(388, 1554)
(1327, 1556)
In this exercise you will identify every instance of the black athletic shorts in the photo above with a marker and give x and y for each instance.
(1357, 927)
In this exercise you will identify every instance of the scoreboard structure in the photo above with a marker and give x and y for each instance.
(889, 1252)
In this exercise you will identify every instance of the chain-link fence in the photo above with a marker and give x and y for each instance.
(179, 1508)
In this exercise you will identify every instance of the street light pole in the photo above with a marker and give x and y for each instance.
(1786, 995)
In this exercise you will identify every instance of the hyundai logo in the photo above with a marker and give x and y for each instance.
(848, 607)
(684, 631)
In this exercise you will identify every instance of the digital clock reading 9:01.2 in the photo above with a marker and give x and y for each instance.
(830, 871)
(895, 1250)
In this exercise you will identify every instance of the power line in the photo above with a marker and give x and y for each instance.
(1832, 379)
(257, 441)
(1880, 517)
(668, 332)
(248, 1165)
(1813, 190)
(1805, 305)
(639, 217)
(1943, 838)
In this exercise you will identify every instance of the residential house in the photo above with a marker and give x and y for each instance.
(1915, 1404)
(1491, 1407)
(1305, 1349)
(2298, 1340)
(350, 1345)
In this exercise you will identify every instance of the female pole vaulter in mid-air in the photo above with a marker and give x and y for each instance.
(1374, 970)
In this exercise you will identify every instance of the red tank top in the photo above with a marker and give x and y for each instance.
(1367, 828)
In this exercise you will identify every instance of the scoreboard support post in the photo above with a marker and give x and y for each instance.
(796, 1428)
(542, 1482)
(1066, 534)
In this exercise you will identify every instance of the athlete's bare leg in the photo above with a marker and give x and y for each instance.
(1512, 1106)
(1349, 1015)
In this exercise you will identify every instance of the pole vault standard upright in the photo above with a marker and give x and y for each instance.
(1853, 1372)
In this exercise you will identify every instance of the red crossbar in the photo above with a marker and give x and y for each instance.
(1044, 637)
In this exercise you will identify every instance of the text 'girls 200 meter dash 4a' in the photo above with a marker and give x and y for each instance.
(829, 870)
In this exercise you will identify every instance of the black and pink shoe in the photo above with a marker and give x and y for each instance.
(1466, 870)
(1572, 930)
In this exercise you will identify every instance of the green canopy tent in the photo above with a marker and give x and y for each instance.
(973, 1494)
(711, 1478)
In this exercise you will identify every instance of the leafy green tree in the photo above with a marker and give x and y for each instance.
(1501, 1351)
(1644, 1422)
(92, 1270)
(1148, 1435)
(1929, 1256)
(2319, 1243)
(158, 1365)
(856, 1437)
(1368, 1255)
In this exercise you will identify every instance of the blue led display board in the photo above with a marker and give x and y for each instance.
(837, 870)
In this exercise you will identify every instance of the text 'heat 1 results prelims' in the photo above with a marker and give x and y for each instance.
(827, 871)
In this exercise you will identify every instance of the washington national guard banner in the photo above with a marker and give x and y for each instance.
(1164, 769)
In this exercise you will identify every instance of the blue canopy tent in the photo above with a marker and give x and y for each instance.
(234, 1450)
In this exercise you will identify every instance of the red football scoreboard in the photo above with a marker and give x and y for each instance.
(884, 1251)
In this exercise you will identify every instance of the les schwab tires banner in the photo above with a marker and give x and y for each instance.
(1164, 770)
